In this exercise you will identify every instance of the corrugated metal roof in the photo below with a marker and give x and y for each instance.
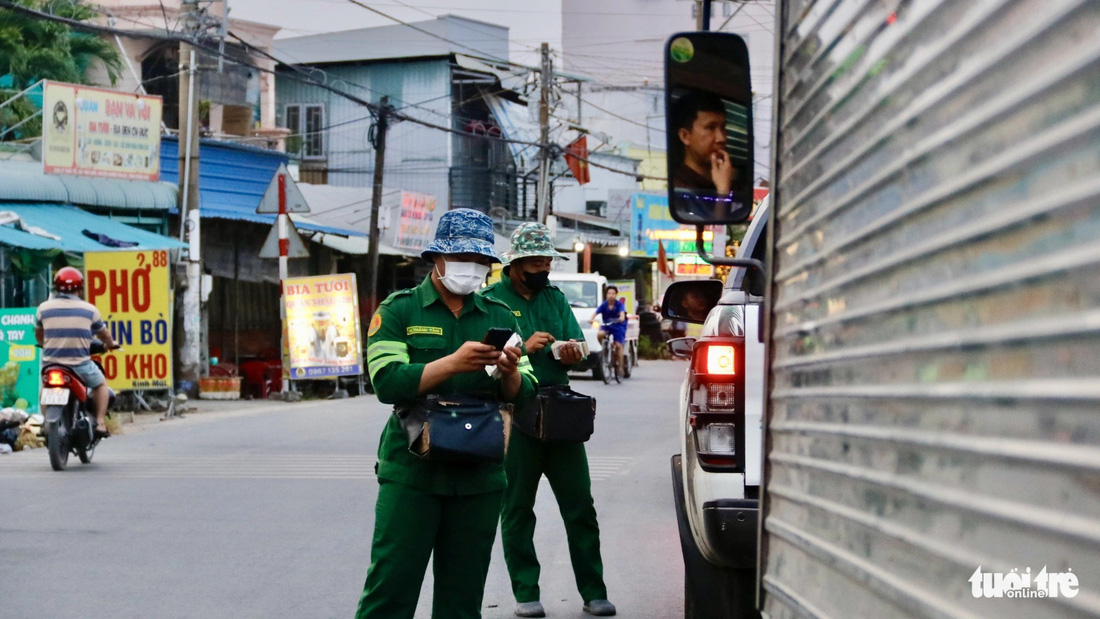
(398, 41)
(25, 181)
(69, 224)
(232, 180)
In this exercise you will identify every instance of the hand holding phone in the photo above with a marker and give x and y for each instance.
(497, 337)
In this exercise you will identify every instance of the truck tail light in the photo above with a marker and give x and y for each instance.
(716, 399)
(716, 360)
(716, 443)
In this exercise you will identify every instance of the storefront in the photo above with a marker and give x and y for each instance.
(242, 313)
(50, 221)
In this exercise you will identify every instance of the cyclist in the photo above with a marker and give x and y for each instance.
(65, 327)
(613, 313)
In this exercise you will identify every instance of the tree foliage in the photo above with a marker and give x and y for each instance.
(32, 49)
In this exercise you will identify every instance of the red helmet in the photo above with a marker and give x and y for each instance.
(68, 279)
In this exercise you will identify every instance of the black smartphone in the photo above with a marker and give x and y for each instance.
(497, 337)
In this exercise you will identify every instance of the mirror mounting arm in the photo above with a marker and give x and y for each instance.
(723, 261)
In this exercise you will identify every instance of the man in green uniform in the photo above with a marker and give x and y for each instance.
(545, 317)
(427, 340)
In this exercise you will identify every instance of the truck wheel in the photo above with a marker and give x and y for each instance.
(710, 592)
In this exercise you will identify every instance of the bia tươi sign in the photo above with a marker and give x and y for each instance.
(322, 326)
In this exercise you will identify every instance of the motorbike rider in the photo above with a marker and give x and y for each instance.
(64, 328)
(613, 313)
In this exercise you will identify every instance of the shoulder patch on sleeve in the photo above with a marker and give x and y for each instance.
(397, 295)
(496, 301)
(375, 324)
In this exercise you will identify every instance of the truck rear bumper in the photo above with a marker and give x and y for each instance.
(731, 529)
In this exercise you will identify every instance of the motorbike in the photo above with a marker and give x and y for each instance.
(69, 412)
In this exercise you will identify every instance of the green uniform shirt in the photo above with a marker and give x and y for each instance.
(547, 310)
(411, 329)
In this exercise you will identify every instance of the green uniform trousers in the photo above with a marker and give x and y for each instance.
(410, 526)
(566, 468)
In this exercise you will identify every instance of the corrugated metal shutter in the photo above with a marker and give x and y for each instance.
(935, 384)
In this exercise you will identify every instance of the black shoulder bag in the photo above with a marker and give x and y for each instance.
(456, 428)
(559, 414)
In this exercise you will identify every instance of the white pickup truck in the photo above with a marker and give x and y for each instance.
(716, 476)
(585, 292)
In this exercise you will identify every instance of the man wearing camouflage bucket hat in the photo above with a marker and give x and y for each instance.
(427, 340)
(545, 317)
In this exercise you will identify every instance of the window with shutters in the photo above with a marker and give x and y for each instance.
(306, 124)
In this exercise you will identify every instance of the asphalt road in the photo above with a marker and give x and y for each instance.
(267, 511)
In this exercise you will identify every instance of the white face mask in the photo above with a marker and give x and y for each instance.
(462, 278)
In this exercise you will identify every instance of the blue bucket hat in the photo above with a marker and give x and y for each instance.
(463, 231)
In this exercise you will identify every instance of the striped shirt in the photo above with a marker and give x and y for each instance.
(68, 325)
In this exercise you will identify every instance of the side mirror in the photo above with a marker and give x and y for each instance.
(681, 347)
(691, 301)
(708, 103)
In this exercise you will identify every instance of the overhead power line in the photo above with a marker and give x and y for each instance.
(300, 75)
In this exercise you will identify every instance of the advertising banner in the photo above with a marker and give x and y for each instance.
(19, 374)
(626, 294)
(322, 326)
(416, 228)
(693, 266)
(133, 294)
(96, 132)
(651, 223)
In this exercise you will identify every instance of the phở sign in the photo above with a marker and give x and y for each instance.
(131, 291)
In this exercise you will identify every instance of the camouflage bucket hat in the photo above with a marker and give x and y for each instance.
(463, 231)
(532, 239)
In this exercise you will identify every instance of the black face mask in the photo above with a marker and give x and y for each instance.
(537, 280)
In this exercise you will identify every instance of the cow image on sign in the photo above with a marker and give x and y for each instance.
(295, 201)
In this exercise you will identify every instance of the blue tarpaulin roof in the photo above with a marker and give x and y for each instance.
(70, 224)
(232, 180)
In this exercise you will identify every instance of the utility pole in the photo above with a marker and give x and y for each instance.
(546, 70)
(378, 141)
(189, 322)
(702, 15)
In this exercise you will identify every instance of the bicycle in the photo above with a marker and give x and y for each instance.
(609, 359)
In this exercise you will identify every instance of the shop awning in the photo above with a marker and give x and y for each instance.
(593, 220)
(58, 226)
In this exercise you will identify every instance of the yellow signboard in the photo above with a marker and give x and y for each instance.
(132, 291)
(322, 326)
(626, 294)
(96, 132)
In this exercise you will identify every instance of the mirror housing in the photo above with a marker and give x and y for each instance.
(691, 301)
(681, 347)
(709, 132)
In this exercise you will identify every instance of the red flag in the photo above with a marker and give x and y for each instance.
(574, 153)
(662, 261)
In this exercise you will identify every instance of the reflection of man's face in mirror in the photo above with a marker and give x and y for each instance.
(700, 122)
(695, 305)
